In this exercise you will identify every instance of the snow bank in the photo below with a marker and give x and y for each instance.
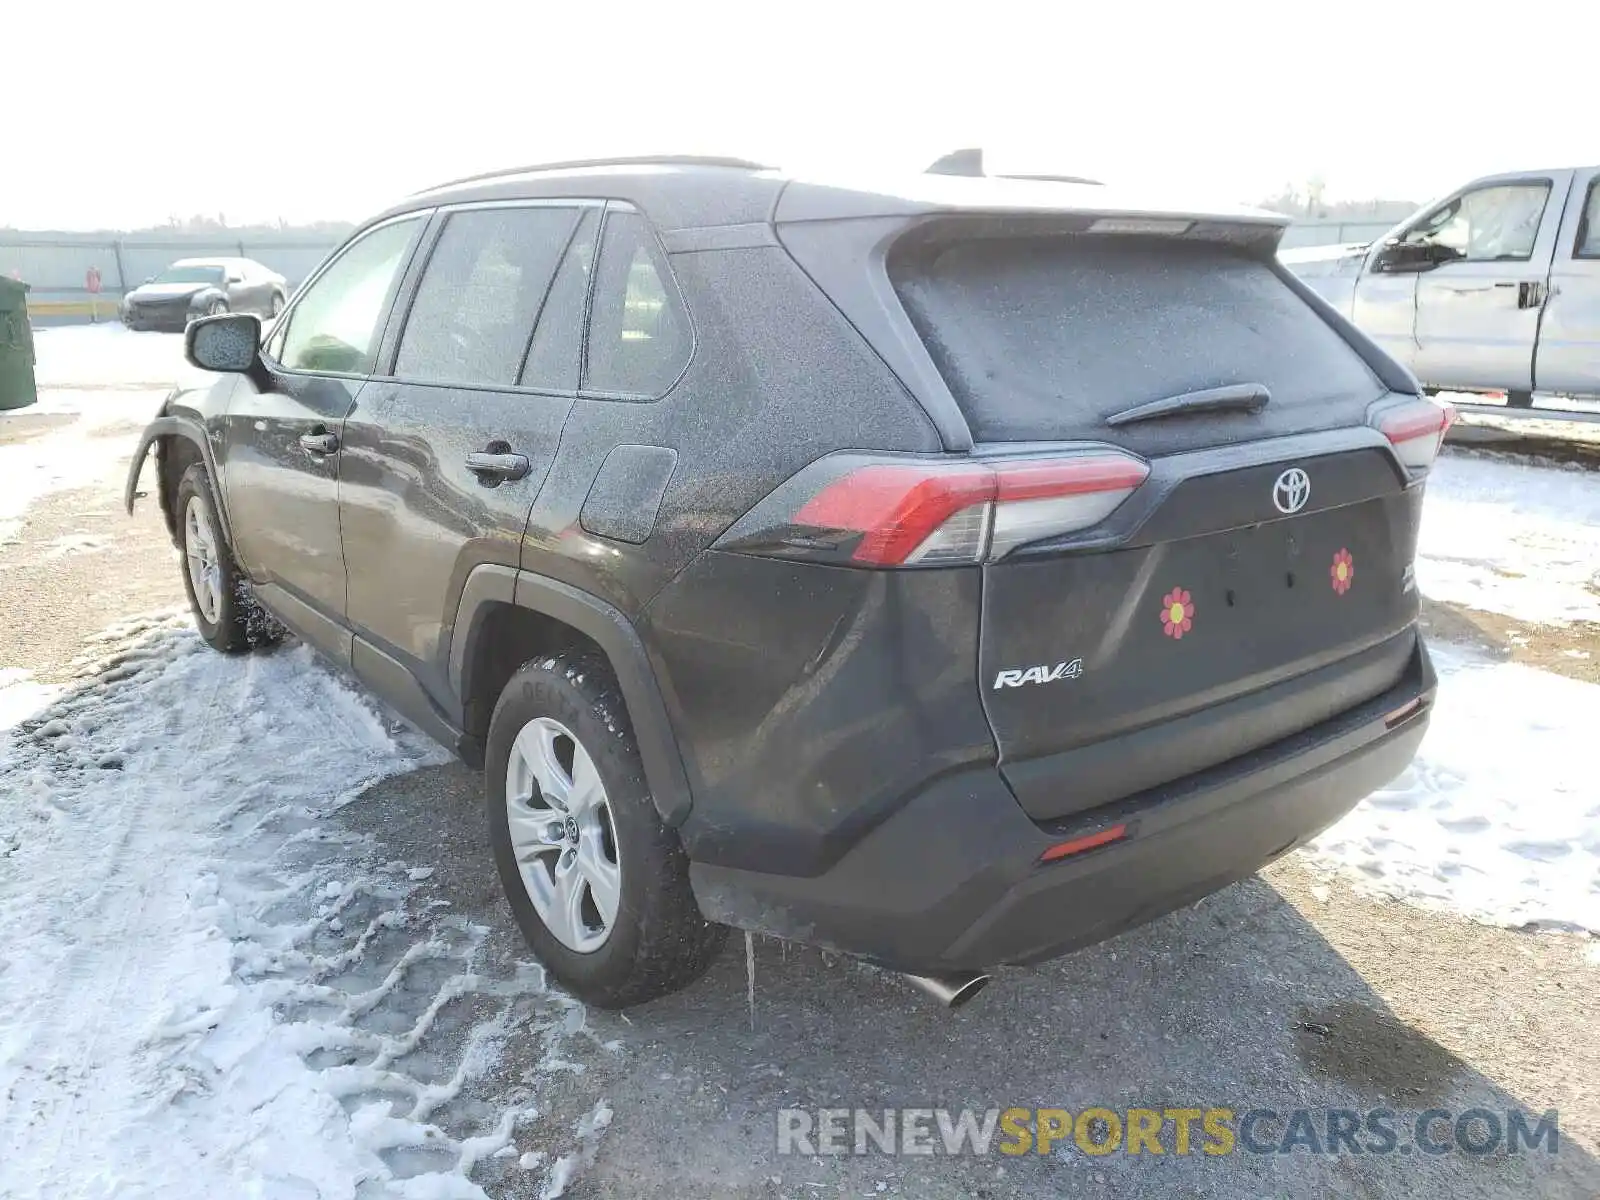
(1498, 816)
(207, 990)
(1511, 538)
(108, 355)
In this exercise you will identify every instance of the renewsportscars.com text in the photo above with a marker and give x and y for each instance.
(1211, 1131)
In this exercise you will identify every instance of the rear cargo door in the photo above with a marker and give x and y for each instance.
(1254, 585)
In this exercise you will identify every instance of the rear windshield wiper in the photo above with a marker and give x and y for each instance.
(1236, 397)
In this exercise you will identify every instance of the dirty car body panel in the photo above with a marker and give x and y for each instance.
(914, 569)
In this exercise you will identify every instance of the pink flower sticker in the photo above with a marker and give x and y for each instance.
(1177, 613)
(1343, 571)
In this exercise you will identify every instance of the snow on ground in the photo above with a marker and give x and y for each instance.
(1498, 816)
(20, 697)
(108, 355)
(107, 383)
(205, 988)
(1508, 537)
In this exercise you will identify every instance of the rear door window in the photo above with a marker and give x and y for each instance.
(556, 354)
(480, 295)
(1045, 337)
(639, 338)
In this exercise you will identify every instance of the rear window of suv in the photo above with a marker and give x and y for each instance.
(1044, 337)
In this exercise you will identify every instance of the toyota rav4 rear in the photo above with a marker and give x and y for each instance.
(1146, 624)
(952, 573)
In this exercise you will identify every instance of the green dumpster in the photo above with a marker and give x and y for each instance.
(17, 389)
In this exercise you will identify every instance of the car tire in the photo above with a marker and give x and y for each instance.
(596, 821)
(216, 308)
(275, 305)
(227, 617)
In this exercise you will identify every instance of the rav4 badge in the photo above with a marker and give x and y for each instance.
(1040, 674)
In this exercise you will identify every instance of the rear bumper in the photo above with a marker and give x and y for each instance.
(953, 879)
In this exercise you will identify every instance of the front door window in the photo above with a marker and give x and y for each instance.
(1489, 224)
(337, 324)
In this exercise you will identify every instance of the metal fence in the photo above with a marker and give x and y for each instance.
(57, 265)
(1333, 233)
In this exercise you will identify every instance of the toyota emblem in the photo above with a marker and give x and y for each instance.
(1292, 490)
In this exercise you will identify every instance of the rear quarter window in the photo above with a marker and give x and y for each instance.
(639, 337)
(1044, 337)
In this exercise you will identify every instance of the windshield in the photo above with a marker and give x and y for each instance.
(190, 275)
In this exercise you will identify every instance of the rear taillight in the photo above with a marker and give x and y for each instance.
(1416, 430)
(905, 513)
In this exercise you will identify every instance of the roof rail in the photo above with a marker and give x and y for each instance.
(641, 160)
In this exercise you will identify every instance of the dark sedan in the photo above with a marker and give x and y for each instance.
(199, 287)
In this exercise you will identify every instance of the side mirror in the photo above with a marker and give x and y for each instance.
(229, 342)
(1396, 257)
(235, 278)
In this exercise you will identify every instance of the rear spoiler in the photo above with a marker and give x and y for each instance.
(842, 238)
(1084, 204)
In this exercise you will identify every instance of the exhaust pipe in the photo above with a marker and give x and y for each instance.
(952, 990)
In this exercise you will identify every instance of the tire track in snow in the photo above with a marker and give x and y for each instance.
(210, 988)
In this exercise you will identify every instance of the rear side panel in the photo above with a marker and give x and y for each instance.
(776, 380)
(811, 702)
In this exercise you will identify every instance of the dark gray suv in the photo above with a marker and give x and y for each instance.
(951, 573)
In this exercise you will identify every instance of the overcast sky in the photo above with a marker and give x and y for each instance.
(136, 112)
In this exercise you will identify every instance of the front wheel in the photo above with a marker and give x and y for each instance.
(216, 308)
(275, 305)
(227, 617)
(597, 883)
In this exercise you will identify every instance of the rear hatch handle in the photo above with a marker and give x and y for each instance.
(1235, 397)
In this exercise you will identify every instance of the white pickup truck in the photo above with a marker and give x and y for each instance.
(1495, 288)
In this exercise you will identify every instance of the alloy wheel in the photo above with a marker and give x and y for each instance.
(562, 834)
(200, 550)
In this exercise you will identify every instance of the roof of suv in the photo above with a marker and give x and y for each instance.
(685, 193)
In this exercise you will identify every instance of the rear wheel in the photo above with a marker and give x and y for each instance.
(224, 613)
(216, 308)
(597, 883)
(275, 305)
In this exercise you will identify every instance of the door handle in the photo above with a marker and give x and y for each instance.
(319, 443)
(487, 466)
